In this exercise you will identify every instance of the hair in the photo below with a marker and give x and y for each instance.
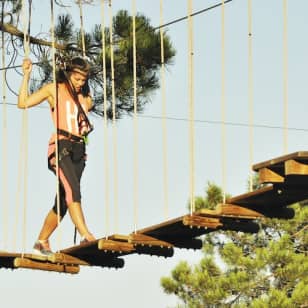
(75, 64)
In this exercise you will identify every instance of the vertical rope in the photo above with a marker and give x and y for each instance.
(18, 194)
(223, 101)
(82, 29)
(24, 152)
(106, 147)
(250, 94)
(53, 51)
(114, 126)
(4, 144)
(285, 74)
(135, 119)
(164, 115)
(191, 106)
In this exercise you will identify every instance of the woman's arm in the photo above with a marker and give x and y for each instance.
(90, 103)
(24, 99)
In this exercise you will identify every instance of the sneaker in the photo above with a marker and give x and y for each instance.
(84, 240)
(42, 248)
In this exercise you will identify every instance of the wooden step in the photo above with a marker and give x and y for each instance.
(283, 169)
(230, 210)
(45, 266)
(144, 244)
(271, 200)
(199, 221)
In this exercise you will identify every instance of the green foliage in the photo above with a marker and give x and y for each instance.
(148, 60)
(213, 196)
(119, 48)
(267, 269)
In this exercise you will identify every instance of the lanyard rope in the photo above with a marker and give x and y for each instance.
(164, 115)
(191, 106)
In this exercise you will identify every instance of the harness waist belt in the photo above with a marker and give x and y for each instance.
(69, 135)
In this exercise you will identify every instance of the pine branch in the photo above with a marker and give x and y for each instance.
(8, 28)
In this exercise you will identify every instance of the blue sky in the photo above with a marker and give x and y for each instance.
(137, 285)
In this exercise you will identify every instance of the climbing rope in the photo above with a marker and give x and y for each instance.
(106, 147)
(114, 126)
(223, 102)
(25, 128)
(82, 29)
(250, 95)
(285, 75)
(53, 52)
(135, 119)
(191, 114)
(4, 144)
(164, 114)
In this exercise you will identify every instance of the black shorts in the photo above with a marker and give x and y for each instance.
(72, 158)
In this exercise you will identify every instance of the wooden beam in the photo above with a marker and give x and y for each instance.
(45, 266)
(63, 258)
(293, 167)
(144, 244)
(233, 210)
(141, 239)
(201, 222)
(115, 246)
(230, 210)
(267, 175)
(300, 155)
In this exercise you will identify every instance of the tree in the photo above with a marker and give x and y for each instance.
(68, 43)
(267, 269)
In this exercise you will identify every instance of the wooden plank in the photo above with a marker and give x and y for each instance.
(278, 161)
(7, 258)
(293, 167)
(45, 266)
(267, 175)
(177, 233)
(270, 200)
(144, 244)
(230, 210)
(66, 259)
(115, 246)
(142, 239)
(94, 256)
(174, 227)
(201, 222)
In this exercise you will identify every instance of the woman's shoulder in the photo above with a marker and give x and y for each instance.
(49, 87)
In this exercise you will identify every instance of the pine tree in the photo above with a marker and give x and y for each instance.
(68, 43)
(267, 269)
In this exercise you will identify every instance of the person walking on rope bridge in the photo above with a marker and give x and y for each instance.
(70, 101)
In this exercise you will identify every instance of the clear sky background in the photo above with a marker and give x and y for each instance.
(138, 283)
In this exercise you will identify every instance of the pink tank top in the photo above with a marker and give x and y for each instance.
(67, 112)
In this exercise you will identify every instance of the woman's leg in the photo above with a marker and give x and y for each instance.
(53, 219)
(78, 220)
(70, 176)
